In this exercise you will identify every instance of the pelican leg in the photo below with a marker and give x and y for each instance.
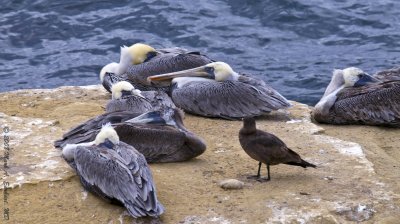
(257, 177)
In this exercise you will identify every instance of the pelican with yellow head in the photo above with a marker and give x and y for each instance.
(140, 61)
(216, 90)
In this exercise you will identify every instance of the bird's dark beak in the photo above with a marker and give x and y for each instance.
(153, 117)
(150, 55)
(108, 144)
(365, 80)
(203, 71)
(126, 93)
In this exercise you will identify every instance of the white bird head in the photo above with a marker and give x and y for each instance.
(111, 68)
(356, 77)
(133, 55)
(107, 132)
(119, 89)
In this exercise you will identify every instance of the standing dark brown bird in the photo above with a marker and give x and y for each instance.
(267, 148)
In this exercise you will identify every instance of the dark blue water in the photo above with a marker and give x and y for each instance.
(293, 45)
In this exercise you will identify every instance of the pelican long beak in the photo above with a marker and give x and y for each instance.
(365, 80)
(203, 71)
(153, 117)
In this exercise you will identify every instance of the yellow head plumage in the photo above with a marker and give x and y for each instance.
(223, 71)
(140, 52)
(118, 87)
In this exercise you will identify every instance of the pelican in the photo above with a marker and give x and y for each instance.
(87, 131)
(115, 171)
(159, 135)
(267, 148)
(215, 90)
(126, 97)
(354, 97)
(140, 61)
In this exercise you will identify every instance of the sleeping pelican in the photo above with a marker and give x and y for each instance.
(159, 135)
(140, 61)
(115, 171)
(354, 97)
(215, 90)
(126, 97)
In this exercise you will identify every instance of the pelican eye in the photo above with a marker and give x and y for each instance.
(209, 70)
(360, 75)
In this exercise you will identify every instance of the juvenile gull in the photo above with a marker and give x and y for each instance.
(267, 148)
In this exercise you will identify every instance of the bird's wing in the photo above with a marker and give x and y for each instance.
(182, 51)
(134, 104)
(388, 75)
(173, 50)
(278, 151)
(158, 99)
(164, 63)
(228, 99)
(122, 174)
(87, 131)
(373, 104)
(156, 142)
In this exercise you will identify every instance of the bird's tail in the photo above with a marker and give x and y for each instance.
(303, 164)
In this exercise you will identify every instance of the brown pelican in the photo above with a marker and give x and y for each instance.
(126, 97)
(267, 148)
(354, 97)
(140, 61)
(115, 171)
(159, 135)
(215, 90)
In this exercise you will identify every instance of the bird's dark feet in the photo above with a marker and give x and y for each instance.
(263, 179)
(254, 177)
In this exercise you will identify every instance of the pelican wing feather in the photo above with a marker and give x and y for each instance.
(122, 174)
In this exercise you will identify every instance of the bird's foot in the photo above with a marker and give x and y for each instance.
(253, 177)
(263, 179)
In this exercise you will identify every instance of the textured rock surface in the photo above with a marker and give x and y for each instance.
(358, 175)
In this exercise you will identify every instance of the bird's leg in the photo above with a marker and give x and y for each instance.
(258, 173)
(263, 179)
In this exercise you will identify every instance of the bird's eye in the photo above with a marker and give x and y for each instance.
(359, 75)
(209, 69)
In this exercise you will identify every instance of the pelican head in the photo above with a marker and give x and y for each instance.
(356, 77)
(219, 71)
(141, 53)
(110, 68)
(124, 88)
(107, 136)
(165, 115)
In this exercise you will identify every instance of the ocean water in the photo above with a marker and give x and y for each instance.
(292, 45)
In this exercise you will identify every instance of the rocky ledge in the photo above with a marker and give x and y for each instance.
(357, 179)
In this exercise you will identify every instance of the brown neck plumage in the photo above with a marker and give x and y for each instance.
(249, 125)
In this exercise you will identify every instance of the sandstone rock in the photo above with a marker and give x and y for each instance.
(356, 165)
